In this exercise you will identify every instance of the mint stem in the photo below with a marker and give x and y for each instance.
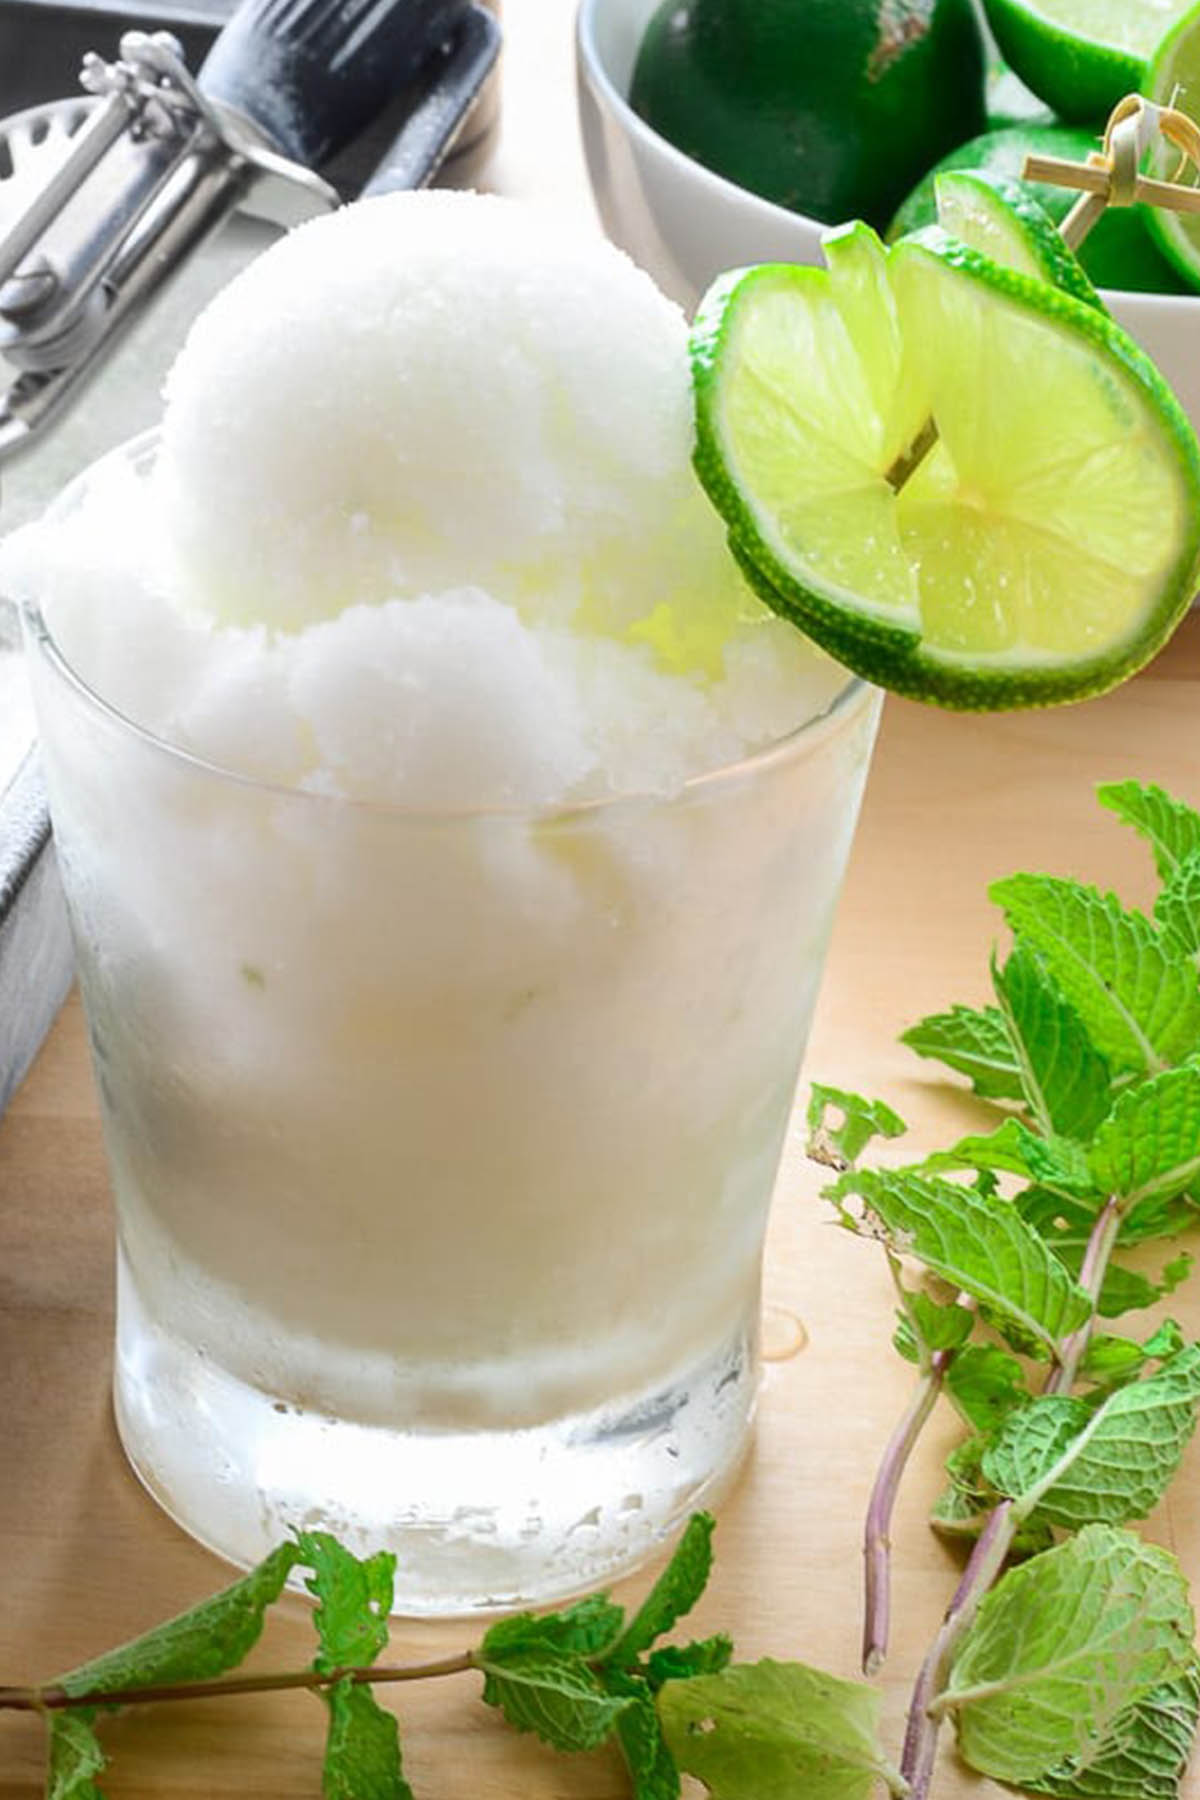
(1100, 1246)
(995, 1540)
(921, 1733)
(877, 1541)
(55, 1698)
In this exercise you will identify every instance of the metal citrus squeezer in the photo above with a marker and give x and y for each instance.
(111, 192)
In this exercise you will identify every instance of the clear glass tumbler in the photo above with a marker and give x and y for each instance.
(442, 1146)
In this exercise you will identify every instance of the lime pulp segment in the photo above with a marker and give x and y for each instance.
(1041, 550)
(1133, 25)
(1003, 220)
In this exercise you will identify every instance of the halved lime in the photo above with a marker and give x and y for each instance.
(1118, 252)
(1081, 56)
(1003, 220)
(1041, 550)
(1173, 79)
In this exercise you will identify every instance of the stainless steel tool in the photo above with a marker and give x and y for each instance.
(109, 195)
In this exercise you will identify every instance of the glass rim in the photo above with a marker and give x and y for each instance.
(812, 731)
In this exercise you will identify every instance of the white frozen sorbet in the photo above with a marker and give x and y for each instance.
(423, 528)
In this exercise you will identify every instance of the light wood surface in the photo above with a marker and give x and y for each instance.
(87, 1559)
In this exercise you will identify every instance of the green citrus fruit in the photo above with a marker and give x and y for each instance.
(1081, 56)
(830, 107)
(1173, 79)
(1038, 544)
(1010, 102)
(1003, 220)
(1118, 252)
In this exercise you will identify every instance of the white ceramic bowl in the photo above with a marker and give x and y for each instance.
(684, 224)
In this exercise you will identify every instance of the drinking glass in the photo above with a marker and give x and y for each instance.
(442, 1144)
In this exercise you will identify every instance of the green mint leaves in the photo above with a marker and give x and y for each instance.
(353, 1598)
(206, 1641)
(973, 1043)
(1080, 1465)
(778, 1731)
(196, 1646)
(1137, 994)
(1063, 1650)
(977, 1243)
(1072, 1674)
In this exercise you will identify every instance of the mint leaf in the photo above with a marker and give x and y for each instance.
(354, 1597)
(938, 1325)
(1137, 998)
(196, 1645)
(362, 1748)
(586, 1629)
(978, 1243)
(1143, 1757)
(75, 1756)
(555, 1695)
(776, 1731)
(674, 1593)
(1170, 827)
(1147, 1151)
(964, 1506)
(986, 1384)
(681, 1662)
(1078, 1464)
(1062, 1647)
(1111, 1361)
(1167, 1340)
(1177, 908)
(1002, 1149)
(840, 1146)
(1066, 1220)
(1065, 1223)
(955, 1514)
(1057, 1163)
(974, 1043)
(651, 1766)
(1065, 1078)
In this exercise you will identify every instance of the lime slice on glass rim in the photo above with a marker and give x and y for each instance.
(1002, 219)
(967, 486)
(1080, 56)
(1173, 79)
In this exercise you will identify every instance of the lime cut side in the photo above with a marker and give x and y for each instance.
(1002, 220)
(1081, 56)
(1043, 548)
(1173, 79)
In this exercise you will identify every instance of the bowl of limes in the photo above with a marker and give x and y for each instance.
(720, 133)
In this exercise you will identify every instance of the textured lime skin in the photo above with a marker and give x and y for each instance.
(1078, 79)
(894, 656)
(1118, 252)
(830, 107)
(1011, 205)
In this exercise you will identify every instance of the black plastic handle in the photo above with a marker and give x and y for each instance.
(312, 74)
(416, 152)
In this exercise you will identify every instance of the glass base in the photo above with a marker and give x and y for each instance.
(479, 1521)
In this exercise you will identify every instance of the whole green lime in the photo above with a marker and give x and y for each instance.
(830, 107)
(1118, 252)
